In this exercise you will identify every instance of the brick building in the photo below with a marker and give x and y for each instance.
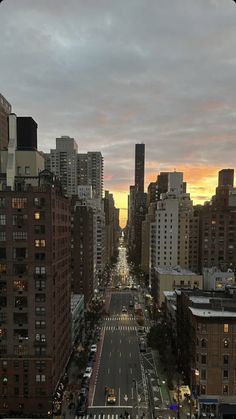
(35, 318)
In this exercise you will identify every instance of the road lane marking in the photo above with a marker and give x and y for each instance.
(110, 354)
(132, 393)
(130, 354)
(131, 371)
(108, 370)
(119, 396)
(119, 370)
(120, 340)
(120, 354)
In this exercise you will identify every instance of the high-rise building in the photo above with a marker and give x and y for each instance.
(139, 167)
(63, 162)
(5, 110)
(90, 171)
(226, 177)
(26, 133)
(35, 314)
(218, 226)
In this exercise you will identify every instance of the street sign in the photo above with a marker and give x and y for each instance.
(173, 407)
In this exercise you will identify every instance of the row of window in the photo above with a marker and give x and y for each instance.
(21, 202)
(202, 327)
(203, 343)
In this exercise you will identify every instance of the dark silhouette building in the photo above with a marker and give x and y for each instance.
(139, 167)
(26, 133)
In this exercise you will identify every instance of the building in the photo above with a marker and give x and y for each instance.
(83, 250)
(218, 226)
(90, 172)
(214, 279)
(112, 230)
(63, 162)
(146, 237)
(137, 207)
(139, 167)
(172, 279)
(26, 133)
(35, 313)
(206, 324)
(5, 110)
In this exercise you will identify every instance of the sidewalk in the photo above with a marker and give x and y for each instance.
(165, 394)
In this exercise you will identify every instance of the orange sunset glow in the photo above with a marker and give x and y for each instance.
(201, 184)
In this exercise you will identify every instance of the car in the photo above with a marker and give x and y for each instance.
(88, 372)
(83, 392)
(124, 309)
(82, 408)
(93, 348)
(110, 395)
(85, 382)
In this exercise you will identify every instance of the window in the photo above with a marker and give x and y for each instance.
(37, 215)
(2, 203)
(40, 298)
(203, 374)
(2, 219)
(39, 243)
(225, 389)
(225, 374)
(19, 235)
(19, 203)
(20, 285)
(3, 253)
(203, 389)
(27, 170)
(39, 229)
(39, 256)
(40, 337)
(225, 359)
(226, 343)
(40, 311)
(226, 328)
(40, 284)
(40, 270)
(203, 359)
(40, 324)
(2, 236)
(203, 343)
(40, 378)
(3, 268)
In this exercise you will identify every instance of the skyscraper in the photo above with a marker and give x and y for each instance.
(63, 162)
(139, 167)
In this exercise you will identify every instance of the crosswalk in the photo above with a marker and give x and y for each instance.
(103, 416)
(121, 317)
(116, 416)
(113, 328)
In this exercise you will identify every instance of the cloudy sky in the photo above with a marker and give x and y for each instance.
(114, 73)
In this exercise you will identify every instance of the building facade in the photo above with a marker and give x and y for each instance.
(35, 294)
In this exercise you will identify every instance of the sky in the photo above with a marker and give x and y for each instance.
(115, 73)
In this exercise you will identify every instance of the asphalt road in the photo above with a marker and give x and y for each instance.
(120, 366)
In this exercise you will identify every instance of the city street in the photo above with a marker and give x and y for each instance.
(120, 366)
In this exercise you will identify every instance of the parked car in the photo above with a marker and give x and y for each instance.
(88, 372)
(93, 348)
(124, 309)
(85, 382)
